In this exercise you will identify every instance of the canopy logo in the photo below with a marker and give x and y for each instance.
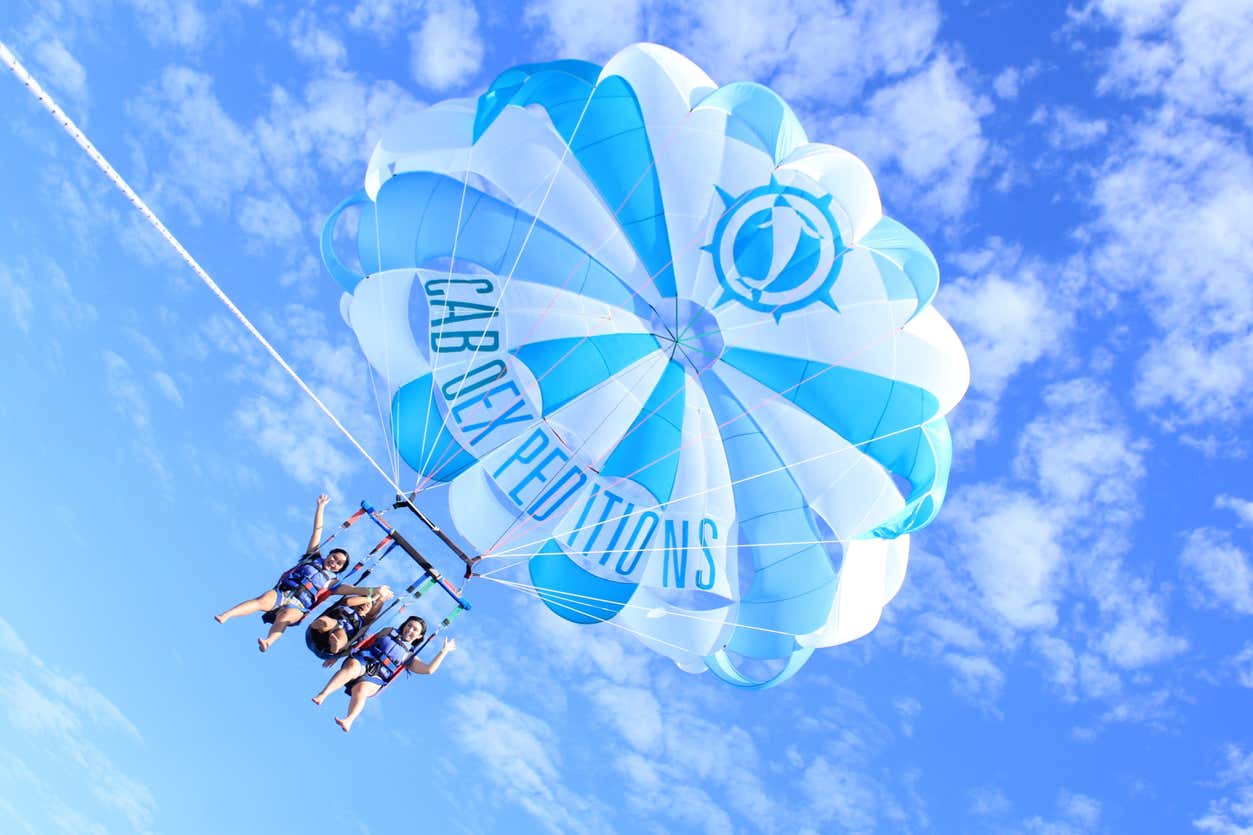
(776, 248)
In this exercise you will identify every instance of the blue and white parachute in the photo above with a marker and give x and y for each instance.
(672, 357)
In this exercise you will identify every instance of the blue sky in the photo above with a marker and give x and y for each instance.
(1070, 652)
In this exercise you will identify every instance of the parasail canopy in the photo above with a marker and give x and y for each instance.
(680, 372)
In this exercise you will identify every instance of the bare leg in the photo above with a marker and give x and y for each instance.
(261, 603)
(282, 620)
(356, 703)
(346, 673)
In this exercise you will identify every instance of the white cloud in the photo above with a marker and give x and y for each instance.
(447, 50)
(210, 158)
(908, 707)
(60, 70)
(17, 299)
(1067, 129)
(1221, 568)
(270, 220)
(634, 713)
(989, 800)
(314, 43)
(1171, 196)
(1077, 813)
(276, 416)
(212, 163)
(937, 156)
(1194, 53)
(838, 793)
(1242, 663)
(1006, 314)
(1008, 82)
(1138, 634)
(131, 402)
(33, 293)
(518, 755)
(66, 717)
(383, 18)
(1012, 551)
(815, 50)
(1079, 453)
(128, 397)
(168, 388)
(976, 677)
(1042, 550)
(1232, 815)
(330, 126)
(1241, 507)
(171, 22)
(1062, 663)
(568, 30)
(1080, 808)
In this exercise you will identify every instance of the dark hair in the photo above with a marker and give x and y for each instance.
(347, 556)
(319, 641)
(420, 621)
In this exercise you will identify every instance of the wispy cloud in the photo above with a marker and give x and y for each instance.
(1169, 194)
(62, 71)
(1232, 814)
(934, 161)
(1222, 570)
(447, 49)
(518, 752)
(68, 718)
(1076, 814)
(1243, 508)
(131, 403)
(172, 22)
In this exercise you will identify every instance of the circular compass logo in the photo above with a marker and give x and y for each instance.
(776, 248)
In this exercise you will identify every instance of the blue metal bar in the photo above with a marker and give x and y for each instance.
(428, 569)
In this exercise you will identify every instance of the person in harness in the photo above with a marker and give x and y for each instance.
(336, 628)
(377, 661)
(300, 587)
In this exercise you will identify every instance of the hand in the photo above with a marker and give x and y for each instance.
(449, 645)
(323, 500)
(384, 592)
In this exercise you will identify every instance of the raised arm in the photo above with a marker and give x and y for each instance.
(345, 589)
(316, 539)
(422, 668)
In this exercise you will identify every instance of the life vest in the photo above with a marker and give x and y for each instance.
(346, 618)
(390, 653)
(307, 579)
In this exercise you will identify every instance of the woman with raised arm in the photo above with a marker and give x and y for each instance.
(377, 661)
(299, 588)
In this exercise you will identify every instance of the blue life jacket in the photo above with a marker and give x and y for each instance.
(346, 618)
(307, 578)
(390, 653)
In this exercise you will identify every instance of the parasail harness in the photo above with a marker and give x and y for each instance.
(429, 578)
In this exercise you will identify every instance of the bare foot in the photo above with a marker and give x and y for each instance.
(220, 618)
(343, 723)
(317, 700)
(263, 644)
